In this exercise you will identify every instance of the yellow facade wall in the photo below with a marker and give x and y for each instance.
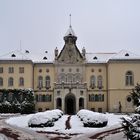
(117, 88)
(27, 75)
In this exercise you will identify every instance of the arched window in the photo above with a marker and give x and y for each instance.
(92, 81)
(62, 78)
(21, 81)
(10, 81)
(69, 78)
(48, 98)
(40, 82)
(47, 82)
(1, 81)
(91, 97)
(100, 82)
(103, 97)
(129, 78)
(100, 97)
(96, 97)
(78, 78)
(81, 103)
(43, 98)
(58, 103)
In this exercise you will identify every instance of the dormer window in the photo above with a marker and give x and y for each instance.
(95, 58)
(127, 54)
(44, 58)
(13, 55)
(26, 51)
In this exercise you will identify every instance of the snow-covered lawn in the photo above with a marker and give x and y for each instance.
(3, 137)
(76, 124)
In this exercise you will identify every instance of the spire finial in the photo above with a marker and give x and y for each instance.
(70, 20)
(20, 46)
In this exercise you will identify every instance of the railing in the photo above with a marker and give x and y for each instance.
(70, 85)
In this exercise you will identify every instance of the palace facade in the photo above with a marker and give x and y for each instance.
(74, 79)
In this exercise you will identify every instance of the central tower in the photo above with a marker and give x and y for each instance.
(70, 88)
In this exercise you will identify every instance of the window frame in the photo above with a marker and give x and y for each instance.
(21, 81)
(11, 70)
(1, 69)
(21, 69)
(10, 81)
(129, 78)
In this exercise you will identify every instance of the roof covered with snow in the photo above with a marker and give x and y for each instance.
(106, 57)
(124, 54)
(40, 57)
(47, 57)
(98, 57)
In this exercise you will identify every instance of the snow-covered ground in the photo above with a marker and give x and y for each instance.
(3, 137)
(76, 124)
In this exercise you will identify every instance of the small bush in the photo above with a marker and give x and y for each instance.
(92, 119)
(45, 119)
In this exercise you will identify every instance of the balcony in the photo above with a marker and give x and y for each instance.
(70, 85)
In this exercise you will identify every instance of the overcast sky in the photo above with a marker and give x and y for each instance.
(100, 25)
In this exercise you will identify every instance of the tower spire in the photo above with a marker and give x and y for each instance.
(70, 20)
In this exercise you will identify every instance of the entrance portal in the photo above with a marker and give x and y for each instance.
(70, 104)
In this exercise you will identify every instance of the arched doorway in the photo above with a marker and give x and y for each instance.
(70, 104)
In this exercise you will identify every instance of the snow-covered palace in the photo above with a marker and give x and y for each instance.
(73, 79)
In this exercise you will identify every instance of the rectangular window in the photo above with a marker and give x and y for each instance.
(100, 110)
(11, 70)
(1, 69)
(37, 98)
(21, 69)
(93, 109)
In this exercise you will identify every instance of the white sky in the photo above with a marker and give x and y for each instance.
(100, 25)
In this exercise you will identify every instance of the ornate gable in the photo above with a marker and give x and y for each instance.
(70, 53)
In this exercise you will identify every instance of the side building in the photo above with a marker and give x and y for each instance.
(73, 80)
